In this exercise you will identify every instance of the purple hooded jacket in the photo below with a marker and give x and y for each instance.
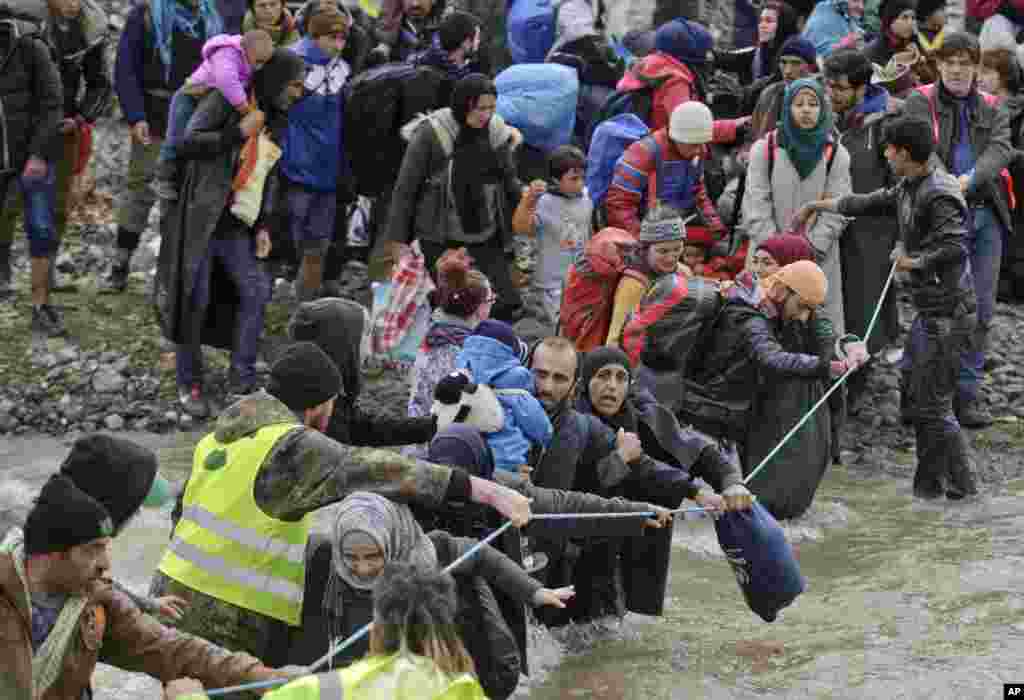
(226, 68)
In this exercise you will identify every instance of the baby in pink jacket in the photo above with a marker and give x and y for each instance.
(229, 61)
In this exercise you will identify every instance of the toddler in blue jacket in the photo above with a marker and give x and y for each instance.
(491, 357)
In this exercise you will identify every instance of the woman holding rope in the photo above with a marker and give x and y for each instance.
(371, 532)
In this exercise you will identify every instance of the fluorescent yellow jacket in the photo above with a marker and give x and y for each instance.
(224, 545)
(396, 677)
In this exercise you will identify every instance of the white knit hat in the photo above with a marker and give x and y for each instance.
(691, 122)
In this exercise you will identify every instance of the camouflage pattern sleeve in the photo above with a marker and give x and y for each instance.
(308, 470)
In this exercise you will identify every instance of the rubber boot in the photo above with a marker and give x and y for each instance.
(972, 414)
(6, 274)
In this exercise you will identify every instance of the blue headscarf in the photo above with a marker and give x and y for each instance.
(805, 147)
(170, 16)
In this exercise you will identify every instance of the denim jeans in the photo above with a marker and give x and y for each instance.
(985, 248)
(182, 108)
(39, 198)
(239, 261)
(935, 348)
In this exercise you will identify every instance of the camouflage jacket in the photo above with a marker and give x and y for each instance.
(306, 470)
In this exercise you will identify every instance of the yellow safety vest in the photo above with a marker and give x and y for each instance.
(224, 545)
(396, 677)
(370, 7)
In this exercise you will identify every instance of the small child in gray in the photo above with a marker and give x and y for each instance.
(552, 223)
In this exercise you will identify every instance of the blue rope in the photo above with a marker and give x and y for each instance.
(362, 632)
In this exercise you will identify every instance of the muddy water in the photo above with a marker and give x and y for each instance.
(904, 600)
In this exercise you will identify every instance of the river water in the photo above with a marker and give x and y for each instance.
(904, 600)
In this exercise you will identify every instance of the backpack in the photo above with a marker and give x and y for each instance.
(540, 100)
(586, 312)
(377, 103)
(530, 28)
(671, 322)
(601, 64)
(639, 103)
(609, 141)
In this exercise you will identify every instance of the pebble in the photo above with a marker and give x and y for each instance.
(107, 381)
(113, 422)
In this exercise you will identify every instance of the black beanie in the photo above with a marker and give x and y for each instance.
(304, 377)
(597, 358)
(114, 471)
(63, 517)
(891, 9)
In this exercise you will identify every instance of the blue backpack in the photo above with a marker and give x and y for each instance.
(540, 100)
(531, 26)
(610, 141)
(762, 560)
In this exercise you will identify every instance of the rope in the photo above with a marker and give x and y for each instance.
(362, 632)
(359, 634)
(832, 389)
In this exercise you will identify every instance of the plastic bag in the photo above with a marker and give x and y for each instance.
(401, 312)
(259, 155)
(761, 558)
(539, 99)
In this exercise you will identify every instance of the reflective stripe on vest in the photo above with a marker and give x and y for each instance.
(225, 546)
(375, 677)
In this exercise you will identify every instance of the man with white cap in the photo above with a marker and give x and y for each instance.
(667, 165)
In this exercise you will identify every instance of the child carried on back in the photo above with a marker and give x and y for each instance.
(493, 357)
(229, 61)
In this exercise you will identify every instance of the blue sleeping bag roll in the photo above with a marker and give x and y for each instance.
(539, 99)
(762, 560)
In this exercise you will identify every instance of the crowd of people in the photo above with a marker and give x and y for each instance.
(707, 251)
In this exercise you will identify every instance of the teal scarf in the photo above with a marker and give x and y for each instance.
(805, 147)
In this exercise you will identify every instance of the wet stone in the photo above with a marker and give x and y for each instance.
(107, 381)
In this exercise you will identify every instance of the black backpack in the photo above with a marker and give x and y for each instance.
(377, 103)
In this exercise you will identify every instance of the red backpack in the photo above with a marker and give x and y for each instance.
(589, 296)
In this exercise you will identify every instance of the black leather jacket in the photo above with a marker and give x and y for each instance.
(932, 215)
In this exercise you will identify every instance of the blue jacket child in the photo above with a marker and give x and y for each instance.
(491, 356)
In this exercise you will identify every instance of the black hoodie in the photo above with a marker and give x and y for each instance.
(30, 94)
(336, 326)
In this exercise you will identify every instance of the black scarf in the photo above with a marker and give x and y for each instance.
(475, 165)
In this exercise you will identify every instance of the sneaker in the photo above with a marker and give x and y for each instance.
(972, 414)
(47, 321)
(115, 280)
(193, 402)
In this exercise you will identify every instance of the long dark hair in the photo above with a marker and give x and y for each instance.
(467, 92)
